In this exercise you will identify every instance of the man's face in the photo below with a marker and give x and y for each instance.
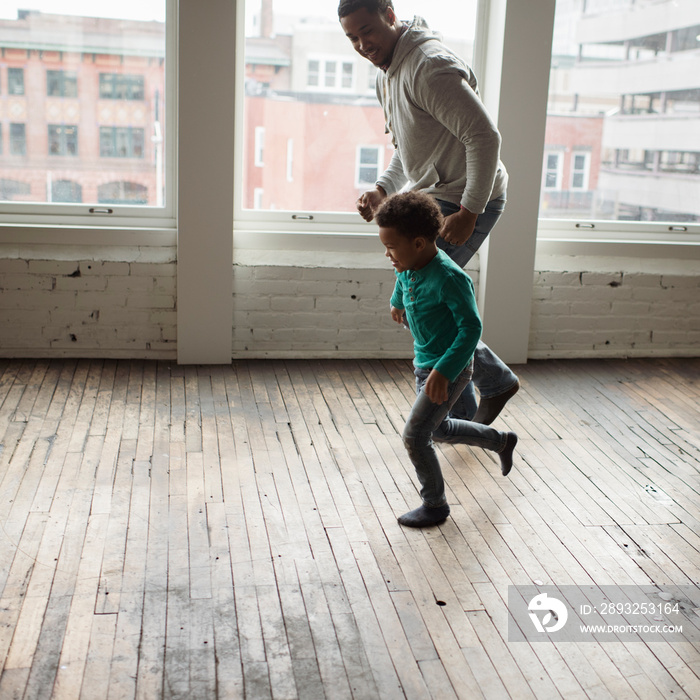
(373, 35)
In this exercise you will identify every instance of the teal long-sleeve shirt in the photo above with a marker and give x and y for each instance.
(441, 312)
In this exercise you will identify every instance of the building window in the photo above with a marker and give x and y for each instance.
(257, 198)
(580, 166)
(66, 191)
(122, 192)
(330, 74)
(119, 86)
(553, 171)
(15, 81)
(259, 146)
(121, 142)
(61, 83)
(369, 166)
(18, 139)
(313, 73)
(63, 140)
(13, 190)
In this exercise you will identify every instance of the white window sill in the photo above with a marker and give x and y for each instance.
(42, 234)
(359, 245)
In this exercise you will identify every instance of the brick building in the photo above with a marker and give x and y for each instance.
(81, 109)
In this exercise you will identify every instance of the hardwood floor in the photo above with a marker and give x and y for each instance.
(230, 532)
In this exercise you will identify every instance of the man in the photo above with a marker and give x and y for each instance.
(445, 145)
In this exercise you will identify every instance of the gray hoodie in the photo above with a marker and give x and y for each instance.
(446, 143)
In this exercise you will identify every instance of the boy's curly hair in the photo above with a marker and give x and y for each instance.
(347, 7)
(412, 214)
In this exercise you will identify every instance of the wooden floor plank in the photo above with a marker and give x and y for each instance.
(230, 531)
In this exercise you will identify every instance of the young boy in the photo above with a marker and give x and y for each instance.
(436, 297)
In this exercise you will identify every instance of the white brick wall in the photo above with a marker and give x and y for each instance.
(75, 302)
(293, 311)
(68, 301)
(615, 307)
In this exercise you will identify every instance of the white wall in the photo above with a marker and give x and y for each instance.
(124, 305)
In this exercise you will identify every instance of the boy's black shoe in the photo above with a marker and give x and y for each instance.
(425, 516)
(507, 454)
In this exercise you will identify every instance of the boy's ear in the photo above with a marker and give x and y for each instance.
(420, 243)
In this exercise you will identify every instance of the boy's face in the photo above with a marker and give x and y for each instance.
(372, 34)
(404, 253)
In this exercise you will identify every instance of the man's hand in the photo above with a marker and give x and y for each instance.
(458, 227)
(369, 202)
(436, 387)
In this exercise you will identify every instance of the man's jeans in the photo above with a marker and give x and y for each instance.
(491, 375)
(429, 422)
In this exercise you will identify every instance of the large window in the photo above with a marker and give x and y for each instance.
(305, 85)
(87, 109)
(623, 128)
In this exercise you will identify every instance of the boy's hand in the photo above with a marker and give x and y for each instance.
(436, 387)
(397, 314)
(457, 228)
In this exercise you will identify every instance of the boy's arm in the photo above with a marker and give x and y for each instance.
(458, 295)
(397, 300)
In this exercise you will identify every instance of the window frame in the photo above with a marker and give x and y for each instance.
(88, 215)
(333, 224)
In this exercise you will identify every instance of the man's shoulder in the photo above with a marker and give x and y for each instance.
(433, 58)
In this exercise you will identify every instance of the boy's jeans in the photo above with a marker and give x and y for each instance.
(491, 375)
(430, 422)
